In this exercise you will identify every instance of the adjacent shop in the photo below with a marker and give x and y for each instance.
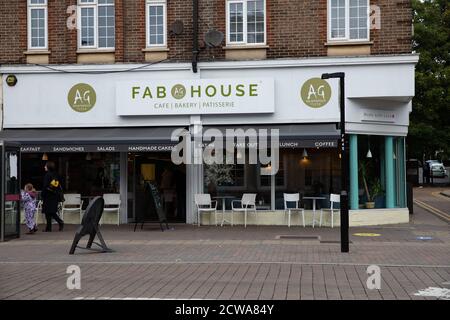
(112, 130)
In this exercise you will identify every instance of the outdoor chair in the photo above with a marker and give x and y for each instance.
(246, 204)
(295, 198)
(112, 204)
(334, 198)
(205, 205)
(39, 214)
(72, 204)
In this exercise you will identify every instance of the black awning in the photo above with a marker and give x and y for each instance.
(92, 140)
(291, 135)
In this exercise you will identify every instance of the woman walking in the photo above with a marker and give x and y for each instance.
(51, 196)
(29, 203)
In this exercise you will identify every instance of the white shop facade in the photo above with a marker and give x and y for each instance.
(109, 130)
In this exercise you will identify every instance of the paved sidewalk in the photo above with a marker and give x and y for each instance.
(231, 263)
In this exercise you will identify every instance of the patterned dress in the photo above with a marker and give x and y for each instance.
(29, 203)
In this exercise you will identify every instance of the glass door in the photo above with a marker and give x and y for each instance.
(10, 219)
(170, 179)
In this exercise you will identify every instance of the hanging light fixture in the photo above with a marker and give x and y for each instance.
(88, 157)
(305, 154)
(45, 157)
(369, 153)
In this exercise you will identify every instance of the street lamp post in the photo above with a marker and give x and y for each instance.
(344, 162)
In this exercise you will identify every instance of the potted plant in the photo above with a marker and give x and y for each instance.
(364, 167)
(377, 193)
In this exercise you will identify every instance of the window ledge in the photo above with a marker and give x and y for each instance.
(155, 49)
(245, 46)
(347, 43)
(30, 52)
(96, 50)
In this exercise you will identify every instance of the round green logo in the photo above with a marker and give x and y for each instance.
(316, 93)
(82, 97)
(178, 91)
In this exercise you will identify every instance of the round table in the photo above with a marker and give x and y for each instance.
(314, 206)
(224, 198)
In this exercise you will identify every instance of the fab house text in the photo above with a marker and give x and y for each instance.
(195, 97)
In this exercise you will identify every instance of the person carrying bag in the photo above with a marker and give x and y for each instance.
(52, 194)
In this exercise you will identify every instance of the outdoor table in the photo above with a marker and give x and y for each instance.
(314, 206)
(224, 198)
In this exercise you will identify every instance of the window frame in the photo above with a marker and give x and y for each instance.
(347, 24)
(93, 4)
(30, 7)
(148, 4)
(244, 41)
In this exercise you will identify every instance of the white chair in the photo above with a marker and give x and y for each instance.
(293, 197)
(72, 204)
(205, 205)
(247, 204)
(334, 198)
(112, 204)
(39, 214)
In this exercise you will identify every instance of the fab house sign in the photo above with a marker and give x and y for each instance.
(201, 96)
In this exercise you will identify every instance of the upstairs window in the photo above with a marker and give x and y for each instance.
(156, 23)
(246, 22)
(37, 25)
(348, 20)
(96, 20)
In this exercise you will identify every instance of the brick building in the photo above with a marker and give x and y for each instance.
(101, 84)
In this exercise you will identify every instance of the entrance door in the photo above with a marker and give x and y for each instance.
(10, 195)
(171, 181)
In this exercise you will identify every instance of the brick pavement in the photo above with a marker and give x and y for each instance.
(231, 263)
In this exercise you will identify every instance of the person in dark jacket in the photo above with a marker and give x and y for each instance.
(51, 191)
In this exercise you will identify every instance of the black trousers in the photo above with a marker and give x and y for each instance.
(49, 217)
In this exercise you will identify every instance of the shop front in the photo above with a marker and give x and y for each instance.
(111, 133)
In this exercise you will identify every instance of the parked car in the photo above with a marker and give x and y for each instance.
(438, 170)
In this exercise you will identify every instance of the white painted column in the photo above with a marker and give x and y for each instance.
(123, 187)
(194, 172)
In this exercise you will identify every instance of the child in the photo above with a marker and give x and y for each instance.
(29, 203)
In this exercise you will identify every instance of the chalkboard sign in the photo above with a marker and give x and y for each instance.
(89, 226)
(157, 200)
(154, 192)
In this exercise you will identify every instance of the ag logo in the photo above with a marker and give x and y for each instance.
(316, 93)
(82, 97)
(178, 91)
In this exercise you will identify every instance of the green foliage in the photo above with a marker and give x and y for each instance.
(372, 185)
(430, 120)
(376, 188)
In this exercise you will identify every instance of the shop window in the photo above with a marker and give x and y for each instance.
(348, 20)
(37, 25)
(316, 174)
(156, 23)
(246, 22)
(89, 174)
(96, 20)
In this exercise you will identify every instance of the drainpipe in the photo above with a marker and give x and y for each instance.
(195, 35)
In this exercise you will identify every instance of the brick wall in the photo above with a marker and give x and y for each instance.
(13, 31)
(294, 29)
(62, 42)
(133, 30)
(395, 34)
